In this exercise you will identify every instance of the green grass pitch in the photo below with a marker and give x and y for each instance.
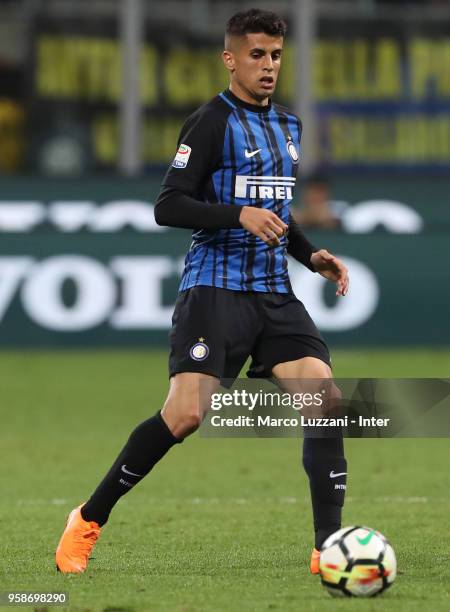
(221, 524)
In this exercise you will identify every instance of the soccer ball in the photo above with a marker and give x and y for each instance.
(357, 561)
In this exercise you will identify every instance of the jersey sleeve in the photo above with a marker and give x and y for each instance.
(180, 202)
(199, 153)
(174, 208)
(299, 246)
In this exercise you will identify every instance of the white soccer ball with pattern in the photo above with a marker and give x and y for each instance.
(357, 561)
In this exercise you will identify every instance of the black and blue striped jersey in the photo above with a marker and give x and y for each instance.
(237, 154)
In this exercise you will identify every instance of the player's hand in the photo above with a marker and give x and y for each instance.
(263, 223)
(331, 268)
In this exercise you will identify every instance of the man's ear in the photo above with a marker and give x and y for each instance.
(228, 60)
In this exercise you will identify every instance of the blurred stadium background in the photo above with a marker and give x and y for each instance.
(92, 96)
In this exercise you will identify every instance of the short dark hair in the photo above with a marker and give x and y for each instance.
(254, 21)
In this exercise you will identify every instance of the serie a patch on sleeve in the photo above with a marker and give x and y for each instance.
(182, 157)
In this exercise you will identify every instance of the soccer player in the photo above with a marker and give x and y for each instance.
(231, 181)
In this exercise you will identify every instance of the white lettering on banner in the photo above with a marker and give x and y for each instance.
(21, 216)
(128, 293)
(12, 271)
(134, 282)
(72, 216)
(114, 216)
(42, 293)
(142, 292)
(394, 217)
(350, 312)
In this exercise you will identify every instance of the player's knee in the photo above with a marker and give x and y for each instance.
(182, 417)
(336, 393)
(189, 421)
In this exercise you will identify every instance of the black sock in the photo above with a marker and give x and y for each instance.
(147, 444)
(325, 464)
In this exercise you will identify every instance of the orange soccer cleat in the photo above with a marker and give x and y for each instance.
(315, 560)
(76, 543)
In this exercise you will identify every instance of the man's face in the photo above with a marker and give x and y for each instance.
(254, 61)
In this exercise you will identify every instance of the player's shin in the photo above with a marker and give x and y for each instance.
(325, 464)
(147, 444)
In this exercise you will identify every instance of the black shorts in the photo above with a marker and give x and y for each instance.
(215, 330)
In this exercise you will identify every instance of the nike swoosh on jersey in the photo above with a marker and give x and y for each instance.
(333, 475)
(125, 471)
(249, 154)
